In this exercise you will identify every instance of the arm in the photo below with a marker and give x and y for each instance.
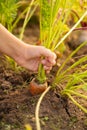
(9, 44)
(28, 56)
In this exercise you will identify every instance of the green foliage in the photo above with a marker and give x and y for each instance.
(74, 78)
(29, 12)
(77, 10)
(53, 18)
(52, 25)
(45, 14)
(54, 15)
(80, 6)
(8, 12)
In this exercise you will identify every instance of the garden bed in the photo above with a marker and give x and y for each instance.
(17, 105)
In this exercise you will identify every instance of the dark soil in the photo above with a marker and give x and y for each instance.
(17, 105)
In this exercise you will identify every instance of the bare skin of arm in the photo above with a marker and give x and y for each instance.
(28, 56)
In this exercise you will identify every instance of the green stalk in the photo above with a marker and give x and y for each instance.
(82, 60)
(41, 21)
(18, 19)
(75, 93)
(27, 18)
(71, 30)
(50, 28)
(52, 24)
(41, 77)
(41, 72)
(76, 103)
(59, 27)
(74, 87)
(20, 16)
(58, 75)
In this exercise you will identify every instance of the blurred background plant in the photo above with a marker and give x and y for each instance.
(77, 10)
(8, 12)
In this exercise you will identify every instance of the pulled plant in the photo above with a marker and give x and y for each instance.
(68, 83)
(54, 28)
(52, 24)
(65, 83)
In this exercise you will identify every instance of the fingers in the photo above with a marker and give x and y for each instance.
(47, 62)
(47, 69)
(49, 59)
(49, 55)
(35, 58)
(47, 65)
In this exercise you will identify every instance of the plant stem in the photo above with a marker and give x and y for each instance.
(17, 20)
(26, 19)
(76, 103)
(41, 77)
(76, 93)
(60, 75)
(70, 30)
(38, 107)
(41, 72)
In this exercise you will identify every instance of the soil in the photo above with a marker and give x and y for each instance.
(17, 105)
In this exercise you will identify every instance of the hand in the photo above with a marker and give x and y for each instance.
(28, 56)
(34, 55)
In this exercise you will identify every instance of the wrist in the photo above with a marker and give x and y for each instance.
(9, 44)
(19, 52)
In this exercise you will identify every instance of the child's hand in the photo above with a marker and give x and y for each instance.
(34, 55)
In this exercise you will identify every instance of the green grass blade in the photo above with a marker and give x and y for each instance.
(71, 55)
(71, 30)
(75, 93)
(76, 103)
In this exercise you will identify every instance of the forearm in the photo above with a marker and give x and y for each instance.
(9, 44)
